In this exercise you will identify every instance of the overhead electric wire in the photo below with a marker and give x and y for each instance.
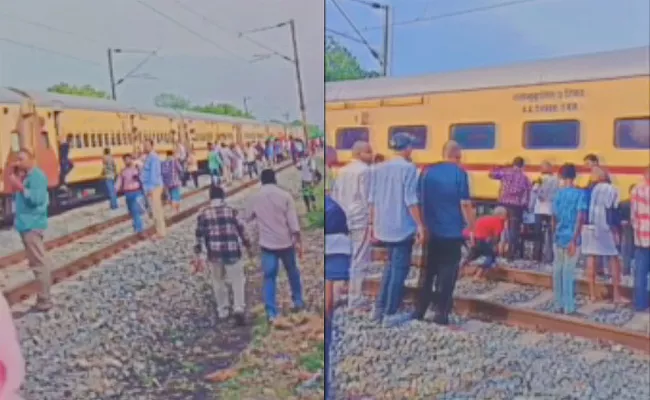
(374, 52)
(137, 67)
(242, 34)
(452, 14)
(42, 49)
(190, 30)
(50, 28)
(343, 35)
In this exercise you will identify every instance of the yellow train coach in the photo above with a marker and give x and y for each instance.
(41, 121)
(558, 110)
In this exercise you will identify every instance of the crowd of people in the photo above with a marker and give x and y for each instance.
(393, 205)
(220, 231)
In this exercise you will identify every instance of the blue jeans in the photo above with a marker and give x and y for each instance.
(564, 270)
(392, 283)
(270, 266)
(135, 205)
(111, 193)
(641, 270)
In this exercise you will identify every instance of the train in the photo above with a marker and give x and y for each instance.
(556, 110)
(40, 121)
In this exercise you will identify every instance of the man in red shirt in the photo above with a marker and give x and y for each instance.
(482, 241)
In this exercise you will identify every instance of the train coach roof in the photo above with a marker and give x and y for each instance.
(9, 96)
(64, 101)
(595, 66)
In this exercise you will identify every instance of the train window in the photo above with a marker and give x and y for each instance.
(417, 132)
(542, 135)
(119, 139)
(346, 137)
(632, 133)
(93, 140)
(107, 140)
(77, 141)
(100, 140)
(86, 140)
(474, 136)
(15, 142)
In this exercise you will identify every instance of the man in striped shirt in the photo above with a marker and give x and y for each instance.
(640, 219)
(395, 221)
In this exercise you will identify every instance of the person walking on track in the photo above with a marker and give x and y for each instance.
(31, 202)
(214, 163)
(172, 172)
(274, 210)
(395, 221)
(193, 167)
(128, 183)
(307, 168)
(220, 230)
(110, 172)
(152, 184)
(351, 191)
(12, 363)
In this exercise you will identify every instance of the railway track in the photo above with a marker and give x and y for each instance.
(524, 298)
(19, 284)
(19, 256)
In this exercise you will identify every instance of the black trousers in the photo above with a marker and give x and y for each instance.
(443, 261)
(515, 221)
(542, 237)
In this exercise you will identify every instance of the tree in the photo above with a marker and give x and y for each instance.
(222, 109)
(169, 100)
(341, 65)
(74, 90)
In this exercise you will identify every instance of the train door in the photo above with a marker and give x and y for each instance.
(11, 141)
(238, 133)
(38, 135)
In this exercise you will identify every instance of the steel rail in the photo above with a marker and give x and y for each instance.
(22, 292)
(20, 256)
(543, 280)
(534, 320)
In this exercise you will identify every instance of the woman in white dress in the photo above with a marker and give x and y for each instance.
(600, 235)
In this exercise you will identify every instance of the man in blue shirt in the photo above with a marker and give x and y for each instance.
(395, 221)
(152, 184)
(31, 200)
(567, 227)
(447, 210)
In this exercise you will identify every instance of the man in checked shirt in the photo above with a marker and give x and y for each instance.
(222, 232)
(514, 195)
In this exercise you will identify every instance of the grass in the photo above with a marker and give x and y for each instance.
(316, 218)
(314, 361)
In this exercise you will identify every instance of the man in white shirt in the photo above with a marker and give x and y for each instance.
(544, 191)
(227, 157)
(351, 190)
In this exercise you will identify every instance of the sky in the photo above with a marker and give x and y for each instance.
(522, 32)
(215, 67)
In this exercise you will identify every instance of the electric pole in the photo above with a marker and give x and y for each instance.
(111, 73)
(387, 36)
(301, 95)
(246, 98)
